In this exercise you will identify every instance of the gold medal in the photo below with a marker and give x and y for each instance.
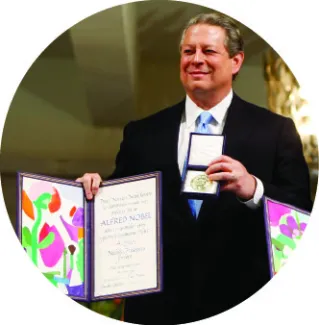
(201, 183)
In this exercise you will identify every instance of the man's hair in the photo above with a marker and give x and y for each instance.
(234, 42)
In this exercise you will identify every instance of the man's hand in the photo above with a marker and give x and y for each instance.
(91, 183)
(233, 177)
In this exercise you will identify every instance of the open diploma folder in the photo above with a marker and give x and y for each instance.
(285, 225)
(202, 150)
(93, 250)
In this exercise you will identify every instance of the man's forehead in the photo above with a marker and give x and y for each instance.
(204, 32)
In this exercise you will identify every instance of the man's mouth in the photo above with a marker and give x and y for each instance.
(198, 73)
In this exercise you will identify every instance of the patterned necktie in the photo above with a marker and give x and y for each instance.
(202, 127)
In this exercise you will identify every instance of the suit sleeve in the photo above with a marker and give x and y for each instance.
(291, 181)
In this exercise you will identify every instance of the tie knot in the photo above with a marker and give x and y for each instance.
(205, 118)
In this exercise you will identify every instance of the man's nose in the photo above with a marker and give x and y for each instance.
(198, 56)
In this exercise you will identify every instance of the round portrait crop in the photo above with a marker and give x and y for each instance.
(159, 164)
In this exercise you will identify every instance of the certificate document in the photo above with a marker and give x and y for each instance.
(126, 233)
(105, 248)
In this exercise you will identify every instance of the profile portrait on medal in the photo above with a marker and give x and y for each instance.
(200, 183)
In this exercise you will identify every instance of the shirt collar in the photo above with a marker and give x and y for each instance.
(192, 111)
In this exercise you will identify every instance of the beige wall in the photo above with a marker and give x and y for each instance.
(159, 86)
(48, 117)
(250, 84)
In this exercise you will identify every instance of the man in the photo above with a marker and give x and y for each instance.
(218, 258)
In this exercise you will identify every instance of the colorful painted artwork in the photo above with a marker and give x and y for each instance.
(285, 226)
(51, 226)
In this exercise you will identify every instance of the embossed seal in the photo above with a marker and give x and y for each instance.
(200, 183)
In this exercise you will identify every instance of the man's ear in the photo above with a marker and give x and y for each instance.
(237, 61)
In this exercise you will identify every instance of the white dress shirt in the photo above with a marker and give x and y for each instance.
(188, 125)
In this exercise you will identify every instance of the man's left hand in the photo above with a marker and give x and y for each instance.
(233, 177)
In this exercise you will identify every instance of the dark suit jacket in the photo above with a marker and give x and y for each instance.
(218, 261)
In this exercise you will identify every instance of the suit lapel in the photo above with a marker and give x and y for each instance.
(238, 127)
(169, 145)
(168, 139)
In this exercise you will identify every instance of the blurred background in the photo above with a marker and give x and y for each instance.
(67, 115)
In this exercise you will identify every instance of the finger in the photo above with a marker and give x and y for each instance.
(87, 185)
(217, 167)
(222, 158)
(222, 176)
(227, 187)
(216, 160)
(79, 180)
(96, 184)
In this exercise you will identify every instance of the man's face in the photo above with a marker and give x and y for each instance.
(205, 64)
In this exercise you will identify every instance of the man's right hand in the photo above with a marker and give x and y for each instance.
(91, 183)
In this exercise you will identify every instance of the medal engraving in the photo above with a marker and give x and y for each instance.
(201, 183)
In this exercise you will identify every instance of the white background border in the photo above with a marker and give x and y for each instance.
(27, 28)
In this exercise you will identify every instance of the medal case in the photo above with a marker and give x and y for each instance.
(202, 149)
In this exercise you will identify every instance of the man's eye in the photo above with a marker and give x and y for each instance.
(209, 51)
(187, 51)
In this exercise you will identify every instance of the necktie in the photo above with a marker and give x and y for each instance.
(202, 127)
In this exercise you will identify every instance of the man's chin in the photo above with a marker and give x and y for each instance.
(200, 89)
